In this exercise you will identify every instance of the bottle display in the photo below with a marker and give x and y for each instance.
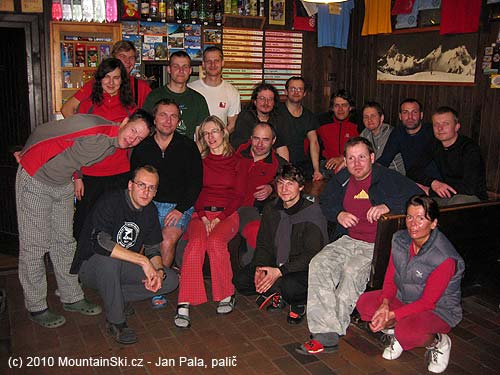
(145, 9)
(171, 11)
(162, 10)
(186, 11)
(178, 11)
(194, 12)
(210, 12)
(153, 10)
(202, 13)
(87, 10)
(219, 12)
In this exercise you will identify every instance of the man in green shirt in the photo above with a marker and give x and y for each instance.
(193, 106)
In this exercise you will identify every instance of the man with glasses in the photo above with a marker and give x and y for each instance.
(223, 99)
(178, 162)
(125, 52)
(193, 106)
(265, 97)
(300, 124)
(109, 257)
(335, 130)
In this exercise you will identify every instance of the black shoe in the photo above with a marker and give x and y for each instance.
(121, 333)
(296, 314)
(277, 303)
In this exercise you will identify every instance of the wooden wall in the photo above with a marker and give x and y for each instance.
(328, 69)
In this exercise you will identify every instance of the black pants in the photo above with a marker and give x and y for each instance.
(292, 286)
(94, 187)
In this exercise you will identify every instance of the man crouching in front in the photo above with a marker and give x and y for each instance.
(109, 258)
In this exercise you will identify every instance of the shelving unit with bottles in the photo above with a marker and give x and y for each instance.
(76, 50)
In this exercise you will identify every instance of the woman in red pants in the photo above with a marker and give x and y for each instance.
(214, 223)
(421, 298)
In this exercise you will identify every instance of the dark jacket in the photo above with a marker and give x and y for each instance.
(411, 275)
(307, 238)
(387, 187)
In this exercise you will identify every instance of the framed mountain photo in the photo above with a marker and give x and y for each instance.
(427, 58)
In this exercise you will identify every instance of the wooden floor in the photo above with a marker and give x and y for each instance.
(248, 341)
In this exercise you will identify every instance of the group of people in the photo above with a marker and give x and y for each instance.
(164, 186)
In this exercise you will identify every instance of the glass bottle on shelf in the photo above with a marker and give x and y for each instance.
(186, 12)
(227, 6)
(202, 13)
(171, 10)
(76, 9)
(111, 11)
(219, 12)
(57, 10)
(194, 12)
(261, 8)
(153, 10)
(178, 11)
(145, 9)
(162, 10)
(210, 12)
(234, 6)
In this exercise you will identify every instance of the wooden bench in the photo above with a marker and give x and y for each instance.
(474, 230)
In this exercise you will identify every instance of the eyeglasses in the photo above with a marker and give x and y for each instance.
(142, 186)
(211, 132)
(295, 89)
(264, 99)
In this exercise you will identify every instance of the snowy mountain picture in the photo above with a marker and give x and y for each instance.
(433, 60)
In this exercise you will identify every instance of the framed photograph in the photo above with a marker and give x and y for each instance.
(427, 58)
(277, 12)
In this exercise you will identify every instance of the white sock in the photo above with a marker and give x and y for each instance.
(227, 299)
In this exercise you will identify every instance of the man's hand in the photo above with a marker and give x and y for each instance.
(375, 212)
(152, 282)
(317, 176)
(442, 190)
(259, 275)
(172, 218)
(347, 220)
(262, 192)
(334, 162)
(271, 275)
(381, 317)
(79, 188)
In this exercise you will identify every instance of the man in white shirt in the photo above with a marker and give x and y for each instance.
(223, 98)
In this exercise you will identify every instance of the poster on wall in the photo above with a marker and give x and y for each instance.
(6, 5)
(427, 58)
(32, 6)
(277, 12)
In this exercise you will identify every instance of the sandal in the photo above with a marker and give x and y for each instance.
(226, 307)
(83, 307)
(159, 302)
(181, 320)
(48, 319)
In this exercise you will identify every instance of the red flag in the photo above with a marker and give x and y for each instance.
(301, 20)
(403, 7)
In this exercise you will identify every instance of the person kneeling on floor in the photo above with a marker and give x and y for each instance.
(109, 258)
(420, 299)
(292, 231)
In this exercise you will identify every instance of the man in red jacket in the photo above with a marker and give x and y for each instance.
(335, 130)
(262, 163)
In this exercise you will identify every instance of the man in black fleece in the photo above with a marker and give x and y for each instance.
(292, 231)
(459, 162)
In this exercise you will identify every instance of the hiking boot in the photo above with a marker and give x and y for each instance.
(121, 333)
(439, 353)
(394, 349)
(296, 314)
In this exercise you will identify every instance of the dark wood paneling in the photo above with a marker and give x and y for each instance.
(355, 70)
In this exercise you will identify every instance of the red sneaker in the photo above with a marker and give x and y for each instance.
(315, 347)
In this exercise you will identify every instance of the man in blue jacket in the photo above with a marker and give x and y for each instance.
(355, 198)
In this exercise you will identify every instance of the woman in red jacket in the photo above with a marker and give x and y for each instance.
(214, 223)
(111, 98)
